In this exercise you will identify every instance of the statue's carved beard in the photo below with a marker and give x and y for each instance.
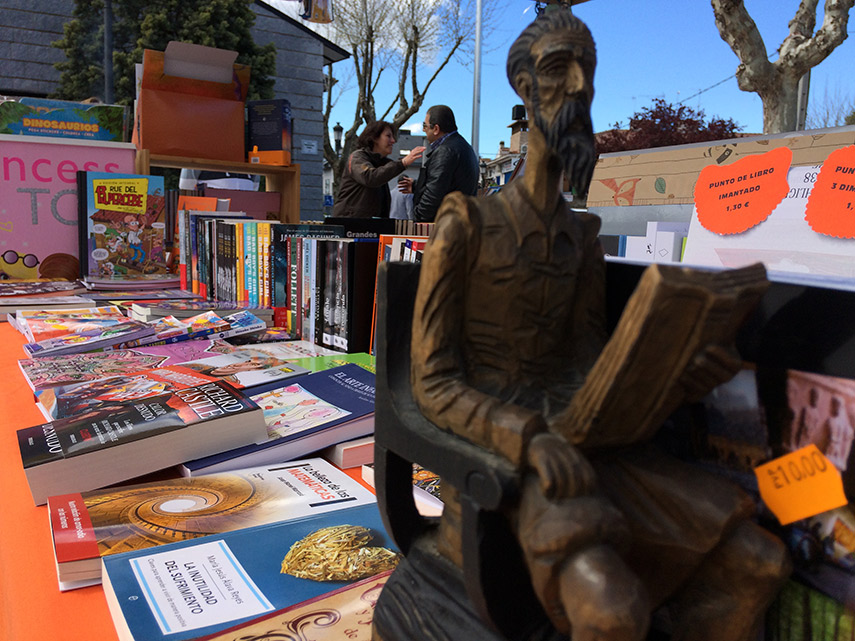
(571, 137)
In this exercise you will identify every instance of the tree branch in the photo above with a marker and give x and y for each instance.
(738, 29)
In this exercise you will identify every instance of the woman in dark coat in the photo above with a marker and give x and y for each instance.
(364, 189)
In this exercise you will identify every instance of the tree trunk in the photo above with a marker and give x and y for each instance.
(780, 107)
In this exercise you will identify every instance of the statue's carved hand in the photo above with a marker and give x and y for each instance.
(712, 367)
(563, 470)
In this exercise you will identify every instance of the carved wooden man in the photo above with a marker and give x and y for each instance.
(508, 322)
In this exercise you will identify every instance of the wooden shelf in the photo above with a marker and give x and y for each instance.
(285, 180)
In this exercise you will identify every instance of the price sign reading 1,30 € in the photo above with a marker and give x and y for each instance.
(734, 198)
(799, 485)
(831, 206)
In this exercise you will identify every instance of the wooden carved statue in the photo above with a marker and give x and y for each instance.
(510, 353)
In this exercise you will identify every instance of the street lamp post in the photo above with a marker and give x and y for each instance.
(337, 132)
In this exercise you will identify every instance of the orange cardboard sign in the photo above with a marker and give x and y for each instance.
(736, 197)
(799, 485)
(831, 205)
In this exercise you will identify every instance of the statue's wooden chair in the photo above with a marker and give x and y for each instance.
(493, 577)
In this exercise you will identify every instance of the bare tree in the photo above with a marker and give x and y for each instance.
(412, 40)
(777, 82)
(830, 109)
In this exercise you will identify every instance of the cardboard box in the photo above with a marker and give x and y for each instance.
(191, 103)
(64, 119)
(269, 131)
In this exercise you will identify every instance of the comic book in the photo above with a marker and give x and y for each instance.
(122, 228)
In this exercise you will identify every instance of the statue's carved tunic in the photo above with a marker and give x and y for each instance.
(515, 316)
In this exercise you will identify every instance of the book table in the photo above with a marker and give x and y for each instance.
(31, 605)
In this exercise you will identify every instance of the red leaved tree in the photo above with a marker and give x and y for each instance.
(665, 124)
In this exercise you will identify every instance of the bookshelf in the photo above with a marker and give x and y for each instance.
(285, 180)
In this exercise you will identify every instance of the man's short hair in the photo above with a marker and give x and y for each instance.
(584, 50)
(444, 117)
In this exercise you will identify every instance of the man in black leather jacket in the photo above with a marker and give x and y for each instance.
(449, 165)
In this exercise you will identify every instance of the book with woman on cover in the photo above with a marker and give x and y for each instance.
(122, 228)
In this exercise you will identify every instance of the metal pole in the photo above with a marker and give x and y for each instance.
(476, 94)
(108, 52)
(801, 109)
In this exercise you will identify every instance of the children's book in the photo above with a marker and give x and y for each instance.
(52, 371)
(187, 589)
(302, 416)
(90, 340)
(122, 227)
(135, 517)
(126, 439)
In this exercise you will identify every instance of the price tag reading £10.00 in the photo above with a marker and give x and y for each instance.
(799, 485)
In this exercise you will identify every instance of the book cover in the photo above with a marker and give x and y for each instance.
(346, 613)
(191, 588)
(303, 416)
(90, 525)
(52, 371)
(40, 220)
(91, 340)
(125, 439)
(47, 326)
(137, 295)
(122, 226)
(320, 363)
(41, 287)
(246, 369)
(12, 304)
(67, 401)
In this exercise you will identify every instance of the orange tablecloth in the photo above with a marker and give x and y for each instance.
(31, 605)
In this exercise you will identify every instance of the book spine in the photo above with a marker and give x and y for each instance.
(343, 273)
(83, 223)
(265, 265)
(319, 289)
(240, 271)
(293, 286)
(306, 297)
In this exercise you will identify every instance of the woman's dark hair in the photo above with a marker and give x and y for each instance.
(372, 132)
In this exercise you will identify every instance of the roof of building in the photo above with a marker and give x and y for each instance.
(332, 52)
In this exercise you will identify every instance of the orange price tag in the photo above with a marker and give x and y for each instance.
(799, 485)
(733, 198)
(831, 205)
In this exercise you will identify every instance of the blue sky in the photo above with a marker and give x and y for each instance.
(646, 49)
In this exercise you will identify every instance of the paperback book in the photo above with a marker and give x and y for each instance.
(122, 226)
(346, 613)
(303, 416)
(88, 526)
(127, 439)
(44, 287)
(246, 370)
(52, 371)
(90, 340)
(12, 304)
(67, 401)
(202, 586)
